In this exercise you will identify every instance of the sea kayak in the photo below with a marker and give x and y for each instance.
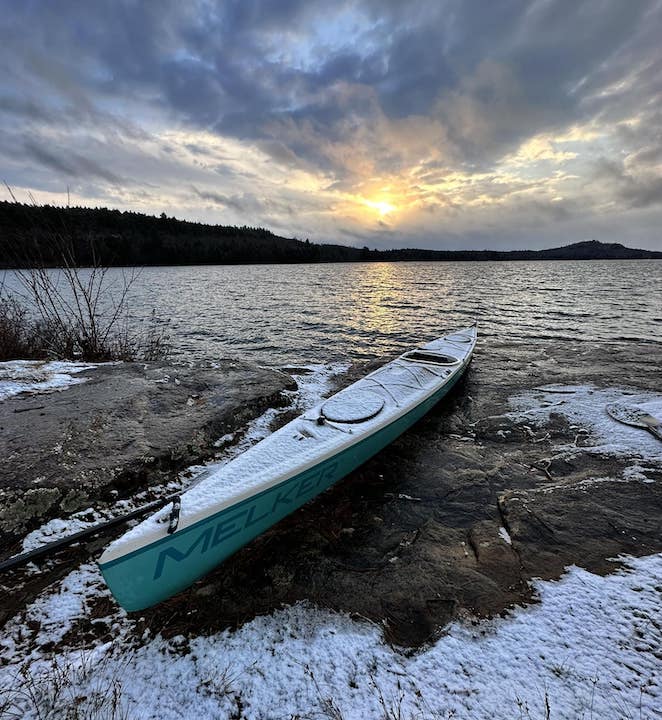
(170, 550)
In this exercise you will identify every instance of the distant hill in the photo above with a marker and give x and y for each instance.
(586, 250)
(594, 250)
(33, 235)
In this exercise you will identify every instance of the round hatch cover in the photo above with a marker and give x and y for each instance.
(458, 338)
(352, 407)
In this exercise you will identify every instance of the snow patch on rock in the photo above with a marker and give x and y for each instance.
(34, 376)
(584, 408)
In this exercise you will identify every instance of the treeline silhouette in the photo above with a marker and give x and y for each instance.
(114, 238)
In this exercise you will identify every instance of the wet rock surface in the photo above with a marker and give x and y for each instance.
(127, 427)
(454, 518)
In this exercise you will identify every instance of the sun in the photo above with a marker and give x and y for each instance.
(383, 207)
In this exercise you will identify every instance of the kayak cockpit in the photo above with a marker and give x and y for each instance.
(431, 357)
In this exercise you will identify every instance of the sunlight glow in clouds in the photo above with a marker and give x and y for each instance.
(381, 206)
(451, 124)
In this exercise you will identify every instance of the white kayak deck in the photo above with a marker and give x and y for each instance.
(351, 415)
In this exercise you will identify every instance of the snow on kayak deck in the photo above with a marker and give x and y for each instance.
(35, 376)
(303, 443)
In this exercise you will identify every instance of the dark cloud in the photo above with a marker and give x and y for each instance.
(239, 203)
(249, 204)
(637, 189)
(643, 192)
(221, 63)
(23, 109)
(69, 164)
(349, 91)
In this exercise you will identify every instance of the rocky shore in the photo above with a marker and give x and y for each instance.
(123, 427)
(460, 513)
(517, 475)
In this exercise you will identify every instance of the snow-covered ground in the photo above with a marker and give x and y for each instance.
(35, 376)
(589, 649)
(584, 407)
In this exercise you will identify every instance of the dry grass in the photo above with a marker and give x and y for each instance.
(65, 690)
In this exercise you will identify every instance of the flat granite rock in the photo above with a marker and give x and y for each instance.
(127, 426)
(458, 515)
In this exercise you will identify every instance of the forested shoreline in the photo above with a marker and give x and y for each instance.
(32, 234)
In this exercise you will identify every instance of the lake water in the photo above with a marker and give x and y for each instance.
(281, 315)
(291, 314)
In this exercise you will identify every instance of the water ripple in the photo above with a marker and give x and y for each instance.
(284, 314)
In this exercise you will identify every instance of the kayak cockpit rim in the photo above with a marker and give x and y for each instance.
(431, 357)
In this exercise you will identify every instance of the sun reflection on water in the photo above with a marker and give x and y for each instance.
(379, 302)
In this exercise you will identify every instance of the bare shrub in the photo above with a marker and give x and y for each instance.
(155, 340)
(151, 343)
(16, 336)
(76, 312)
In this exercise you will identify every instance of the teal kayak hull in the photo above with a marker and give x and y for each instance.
(161, 569)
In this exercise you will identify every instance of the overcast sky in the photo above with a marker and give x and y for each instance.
(442, 124)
